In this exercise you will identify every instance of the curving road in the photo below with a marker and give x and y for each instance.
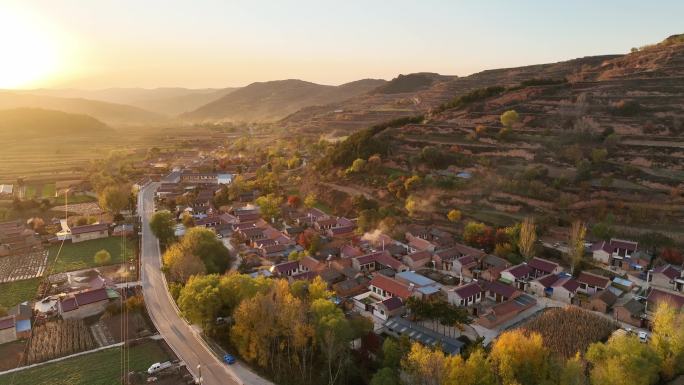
(164, 313)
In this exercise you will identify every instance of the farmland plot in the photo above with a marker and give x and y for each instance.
(59, 338)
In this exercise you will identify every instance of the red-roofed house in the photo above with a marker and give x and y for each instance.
(418, 244)
(613, 252)
(499, 292)
(418, 259)
(84, 304)
(308, 263)
(541, 267)
(89, 232)
(663, 276)
(517, 275)
(657, 296)
(564, 289)
(286, 269)
(591, 283)
(466, 295)
(388, 308)
(387, 287)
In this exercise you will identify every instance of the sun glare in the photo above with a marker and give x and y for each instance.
(28, 53)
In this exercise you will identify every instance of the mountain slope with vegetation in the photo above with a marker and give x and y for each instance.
(601, 139)
(270, 101)
(30, 122)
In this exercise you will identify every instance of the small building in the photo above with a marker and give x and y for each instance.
(591, 283)
(518, 275)
(499, 292)
(398, 326)
(506, 311)
(286, 269)
(541, 267)
(388, 308)
(657, 296)
(466, 295)
(422, 287)
(613, 252)
(86, 303)
(89, 232)
(601, 301)
(418, 259)
(663, 276)
(630, 312)
(560, 287)
(387, 287)
(351, 286)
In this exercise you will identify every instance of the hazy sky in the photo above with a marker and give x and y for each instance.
(203, 43)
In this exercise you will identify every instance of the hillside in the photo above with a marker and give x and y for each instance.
(21, 123)
(607, 145)
(410, 83)
(270, 101)
(376, 107)
(109, 113)
(165, 101)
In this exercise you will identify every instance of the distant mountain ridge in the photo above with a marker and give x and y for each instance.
(28, 122)
(109, 113)
(273, 100)
(169, 101)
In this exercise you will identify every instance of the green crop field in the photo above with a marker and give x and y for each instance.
(77, 256)
(99, 368)
(19, 291)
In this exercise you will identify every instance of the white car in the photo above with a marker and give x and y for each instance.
(643, 336)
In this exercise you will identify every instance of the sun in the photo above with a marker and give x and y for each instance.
(28, 53)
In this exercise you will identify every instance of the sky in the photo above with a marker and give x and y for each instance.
(206, 43)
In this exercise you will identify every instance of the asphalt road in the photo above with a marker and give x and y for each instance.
(163, 312)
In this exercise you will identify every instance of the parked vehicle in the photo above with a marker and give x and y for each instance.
(229, 359)
(643, 336)
(158, 367)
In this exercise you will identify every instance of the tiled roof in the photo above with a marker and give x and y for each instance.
(548, 280)
(310, 263)
(623, 244)
(468, 290)
(286, 266)
(420, 255)
(568, 283)
(634, 307)
(420, 243)
(657, 295)
(501, 289)
(6, 323)
(69, 304)
(668, 270)
(393, 303)
(593, 279)
(605, 296)
(390, 285)
(89, 228)
(459, 250)
(91, 296)
(387, 260)
(519, 271)
(542, 265)
(603, 245)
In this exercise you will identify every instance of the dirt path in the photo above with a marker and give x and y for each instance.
(353, 191)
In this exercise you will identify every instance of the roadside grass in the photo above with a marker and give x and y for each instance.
(78, 256)
(48, 190)
(30, 191)
(12, 293)
(99, 368)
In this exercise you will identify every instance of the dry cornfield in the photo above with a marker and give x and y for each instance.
(569, 330)
(59, 338)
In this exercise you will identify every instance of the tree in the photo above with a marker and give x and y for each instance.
(310, 240)
(528, 237)
(187, 220)
(454, 215)
(310, 200)
(357, 166)
(294, 201)
(318, 289)
(412, 182)
(576, 244)
(102, 257)
(478, 234)
(333, 334)
(391, 353)
(520, 358)
(509, 118)
(572, 372)
(623, 360)
(424, 366)
(203, 243)
(181, 265)
(667, 339)
(269, 205)
(114, 198)
(411, 205)
(199, 299)
(162, 225)
(384, 376)
(599, 155)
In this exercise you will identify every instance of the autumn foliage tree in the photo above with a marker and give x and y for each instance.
(528, 236)
(520, 358)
